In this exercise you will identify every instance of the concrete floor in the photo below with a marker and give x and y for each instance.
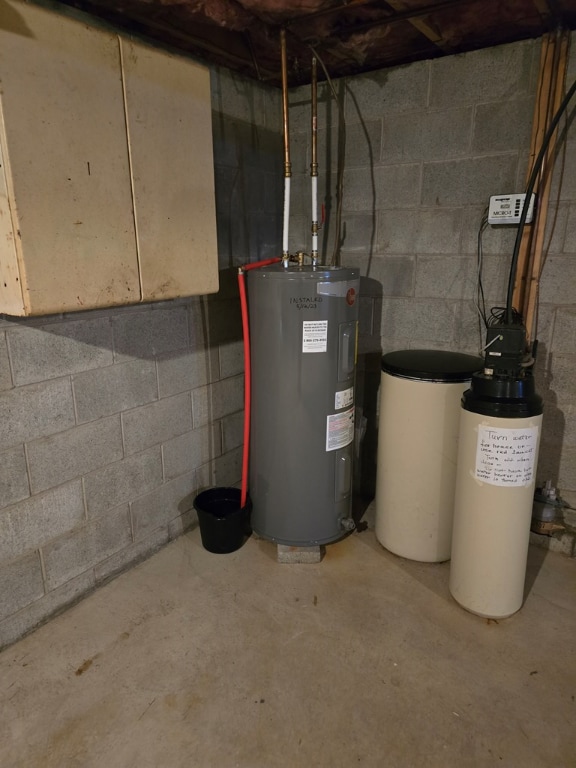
(214, 661)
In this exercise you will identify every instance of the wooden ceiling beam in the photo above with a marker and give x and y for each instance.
(395, 18)
(344, 6)
(542, 7)
(423, 26)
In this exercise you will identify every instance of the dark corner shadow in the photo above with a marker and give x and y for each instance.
(186, 509)
(553, 422)
(12, 21)
(550, 453)
(367, 388)
(372, 183)
(536, 556)
(432, 576)
(138, 331)
(221, 315)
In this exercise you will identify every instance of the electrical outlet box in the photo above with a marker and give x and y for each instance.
(507, 209)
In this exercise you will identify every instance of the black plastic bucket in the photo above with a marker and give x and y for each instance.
(224, 524)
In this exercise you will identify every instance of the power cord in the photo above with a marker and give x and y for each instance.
(480, 300)
(341, 152)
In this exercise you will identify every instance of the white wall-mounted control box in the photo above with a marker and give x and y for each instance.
(507, 209)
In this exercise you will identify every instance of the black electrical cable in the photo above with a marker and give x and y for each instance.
(498, 316)
(480, 298)
(536, 168)
(341, 152)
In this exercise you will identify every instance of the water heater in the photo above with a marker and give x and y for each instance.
(303, 335)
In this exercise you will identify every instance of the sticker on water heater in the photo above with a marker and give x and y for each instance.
(339, 430)
(344, 398)
(314, 335)
(347, 289)
(506, 456)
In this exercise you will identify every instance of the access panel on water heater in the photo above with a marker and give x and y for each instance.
(347, 350)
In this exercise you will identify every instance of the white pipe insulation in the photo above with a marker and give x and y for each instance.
(314, 217)
(286, 220)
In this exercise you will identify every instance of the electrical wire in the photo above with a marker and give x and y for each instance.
(480, 300)
(498, 317)
(560, 149)
(341, 151)
(536, 168)
(568, 119)
(539, 99)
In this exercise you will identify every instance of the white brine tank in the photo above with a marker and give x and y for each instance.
(420, 393)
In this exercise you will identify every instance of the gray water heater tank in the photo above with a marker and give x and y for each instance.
(303, 331)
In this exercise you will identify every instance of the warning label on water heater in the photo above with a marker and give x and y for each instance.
(314, 335)
(344, 398)
(506, 456)
(339, 430)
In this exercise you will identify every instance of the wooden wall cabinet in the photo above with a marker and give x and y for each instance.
(106, 177)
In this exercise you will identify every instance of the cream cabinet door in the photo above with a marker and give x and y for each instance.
(169, 118)
(106, 168)
(72, 242)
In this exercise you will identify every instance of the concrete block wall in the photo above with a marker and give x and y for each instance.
(247, 125)
(556, 370)
(426, 145)
(111, 421)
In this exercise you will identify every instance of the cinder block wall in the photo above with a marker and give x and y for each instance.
(426, 145)
(112, 420)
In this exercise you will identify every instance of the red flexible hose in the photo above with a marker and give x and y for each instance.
(263, 263)
(247, 372)
(247, 386)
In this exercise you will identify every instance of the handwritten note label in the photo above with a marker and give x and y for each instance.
(506, 456)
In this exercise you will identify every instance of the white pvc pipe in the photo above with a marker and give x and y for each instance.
(285, 225)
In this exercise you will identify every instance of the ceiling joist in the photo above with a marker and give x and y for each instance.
(353, 36)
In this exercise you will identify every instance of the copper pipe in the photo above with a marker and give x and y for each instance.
(287, 164)
(537, 257)
(314, 84)
(314, 163)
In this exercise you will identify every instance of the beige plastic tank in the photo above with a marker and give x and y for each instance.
(420, 394)
(495, 481)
